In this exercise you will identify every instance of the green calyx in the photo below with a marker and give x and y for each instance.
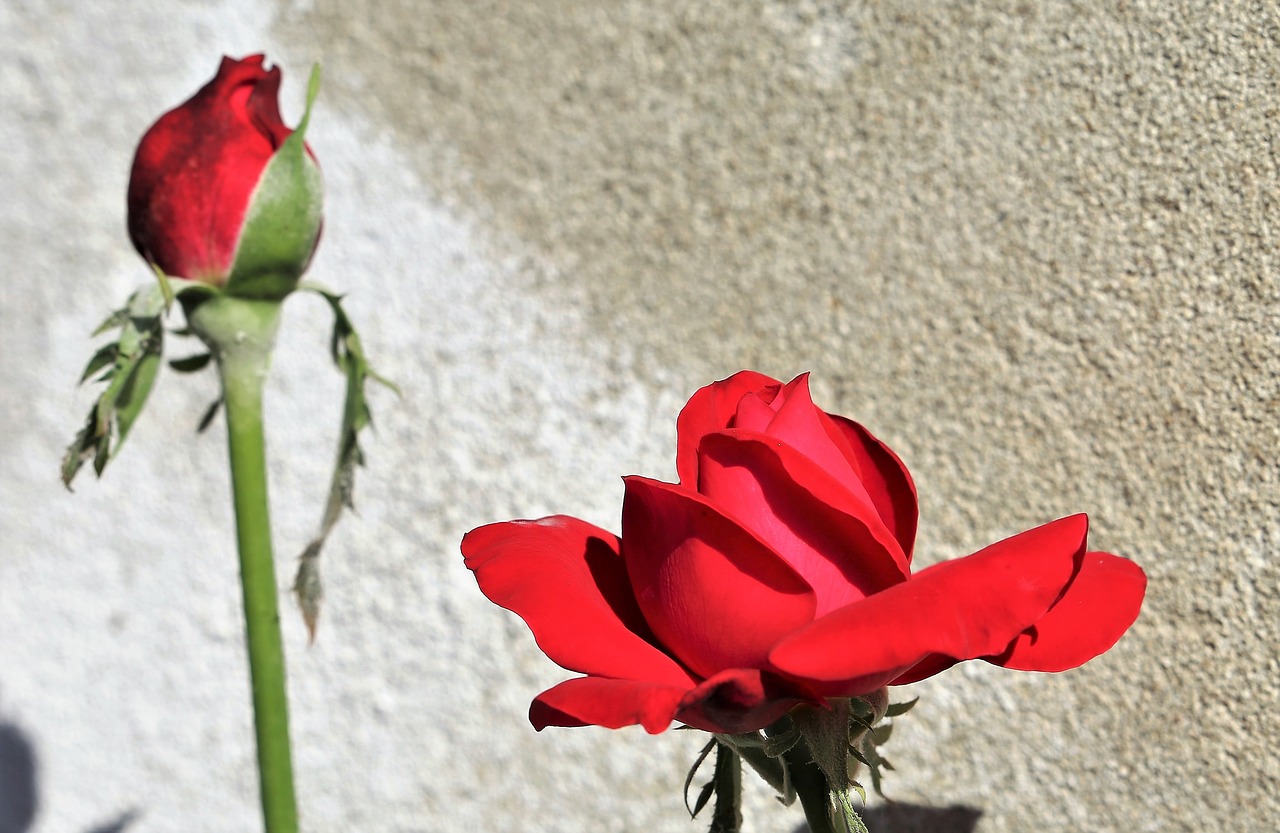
(283, 221)
(813, 753)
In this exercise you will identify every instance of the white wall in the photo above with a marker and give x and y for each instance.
(1029, 245)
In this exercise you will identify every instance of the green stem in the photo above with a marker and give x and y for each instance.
(241, 334)
(727, 817)
(812, 788)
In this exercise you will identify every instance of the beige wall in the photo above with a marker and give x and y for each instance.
(1029, 244)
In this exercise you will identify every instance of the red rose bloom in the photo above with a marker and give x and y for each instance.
(197, 170)
(778, 572)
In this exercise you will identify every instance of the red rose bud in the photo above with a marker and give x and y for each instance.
(222, 192)
(778, 572)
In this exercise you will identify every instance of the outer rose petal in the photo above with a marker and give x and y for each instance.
(595, 701)
(1096, 609)
(830, 536)
(964, 608)
(886, 479)
(196, 168)
(711, 408)
(564, 577)
(740, 700)
(714, 594)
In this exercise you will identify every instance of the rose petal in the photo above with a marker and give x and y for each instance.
(209, 145)
(711, 408)
(886, 479)
(564, 577)
(714, 594)
(964, 608)
(925, 668)
(800, 424)
(739, 700)
(596, 701)
(831, 537)
(1098, 606)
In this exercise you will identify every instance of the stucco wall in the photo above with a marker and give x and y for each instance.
(1029, 244)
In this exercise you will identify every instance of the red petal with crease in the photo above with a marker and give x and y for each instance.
(714, 594)
(964, 608)
(887, 481)
(1100, 604)
(564, 577)
(830, 536)
(739, 700)
(595, 701)
(711, 408)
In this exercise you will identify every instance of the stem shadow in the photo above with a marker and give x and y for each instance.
(915, 818)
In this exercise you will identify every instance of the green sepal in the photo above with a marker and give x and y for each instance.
(209, 414)
(348, 354)
(705, 793)
(898, 709)
(131, 363)
(191, 364)
(283, 220)
(847, 813)
(106, 355)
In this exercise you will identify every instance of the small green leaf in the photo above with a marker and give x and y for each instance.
(779, 745)
(106, 355)
(704, 795)
(129, 366)
(348, 355)
(166, 288)
(896, 709)
(190, 364)
(308, 589)
(848, 813)
(881, 734)
(133, 396)
(693, 771)
(112, 321)
(209, 414)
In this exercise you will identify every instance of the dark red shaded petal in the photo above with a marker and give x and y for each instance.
(564, 577)
(964, 608)
(740, 700)
(831, 536)
(712, 408)
(925, 668)
(886, 480)
(1098, 606)
(714, 594)
(196, 168)
(596, 701)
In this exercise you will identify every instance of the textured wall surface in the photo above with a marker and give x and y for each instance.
(1031, 245)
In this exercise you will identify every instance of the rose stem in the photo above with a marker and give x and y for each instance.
(727, 817)
(242, 334)
(811, 787)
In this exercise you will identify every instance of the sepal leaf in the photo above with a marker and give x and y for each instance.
(348, 355)
(131, 363)
(283, 221)
(898, 709)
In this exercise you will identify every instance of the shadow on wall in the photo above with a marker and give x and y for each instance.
(19, 797)
(914, 818)
(17, 780)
